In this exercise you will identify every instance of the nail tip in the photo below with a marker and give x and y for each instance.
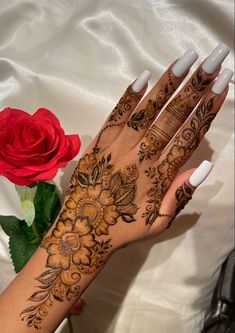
(141, 81)
(222, 81)
(201, 173)
(215, 58)
(184, 63)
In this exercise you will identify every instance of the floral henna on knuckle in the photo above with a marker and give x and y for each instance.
(184, 145)
(96, 198)
(181, 106)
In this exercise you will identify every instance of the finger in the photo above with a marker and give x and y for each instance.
(178, 110)
(149, 108)
(121, 112)
(183, 145)
(192, 132)
(77, 307)
(180, 193)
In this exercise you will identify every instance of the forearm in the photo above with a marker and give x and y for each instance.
(46, 288)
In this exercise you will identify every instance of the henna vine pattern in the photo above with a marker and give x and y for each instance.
(143, 118)
(184, 145)
(183, 195)
(96, 198)
(115, 119)
(124, 104)
(180, 107)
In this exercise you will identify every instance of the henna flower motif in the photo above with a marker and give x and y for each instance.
(87, 163)
(70, 244)
(169, 168)
(94, 204)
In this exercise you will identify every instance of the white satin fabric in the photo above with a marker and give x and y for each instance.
(76, 58)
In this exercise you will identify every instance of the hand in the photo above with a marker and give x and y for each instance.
(125, 187)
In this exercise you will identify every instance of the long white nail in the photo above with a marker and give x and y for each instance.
(216, 58)
(183, 64)
(201, 173)
(139, 83)
(222, 81)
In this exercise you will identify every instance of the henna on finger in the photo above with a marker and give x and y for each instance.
(119, 115)
(181, 149)
(175, 114)
(183, 195)
(143, 118)
(178, 110)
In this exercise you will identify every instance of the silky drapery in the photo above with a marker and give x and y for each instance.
(76, 58)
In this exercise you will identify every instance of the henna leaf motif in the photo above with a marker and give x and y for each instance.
(125, 195)
(83, 179)
(128, 218)
(95, 173)
(48, 277)
(39, 296)
(115, 182)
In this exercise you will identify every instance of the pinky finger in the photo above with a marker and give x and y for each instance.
(181, 192)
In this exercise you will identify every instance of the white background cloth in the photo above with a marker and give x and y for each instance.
(76, 58)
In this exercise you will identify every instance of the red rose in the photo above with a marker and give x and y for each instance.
(33, 147)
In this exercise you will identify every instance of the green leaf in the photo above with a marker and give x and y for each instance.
(47, 206)
(21, 250)
(10, 224)
(26, 195)
(22, 241)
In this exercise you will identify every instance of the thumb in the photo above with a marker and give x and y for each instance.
(182, 189)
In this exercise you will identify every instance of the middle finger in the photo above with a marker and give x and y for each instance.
(178, 110)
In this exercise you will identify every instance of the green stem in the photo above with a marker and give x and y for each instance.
(70, 324)
(35, 232)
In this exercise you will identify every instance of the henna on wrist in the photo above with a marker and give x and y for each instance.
(79, 243)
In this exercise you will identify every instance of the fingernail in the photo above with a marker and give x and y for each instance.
(183, 64)
(201, 173)
(215, 59)
(222, 81)
(139, 83)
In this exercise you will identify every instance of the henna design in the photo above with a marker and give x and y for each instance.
(156, 140)
(124, 105)
(96, 198)
(143, 118)
(183, 195)
(181, 106)
(184, 145)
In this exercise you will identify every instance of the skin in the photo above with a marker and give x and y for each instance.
(114, 198)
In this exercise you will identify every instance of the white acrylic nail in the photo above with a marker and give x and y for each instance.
(222, 81)
(183, 64)
(201, 173)
(139, 83)
(215, 59)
